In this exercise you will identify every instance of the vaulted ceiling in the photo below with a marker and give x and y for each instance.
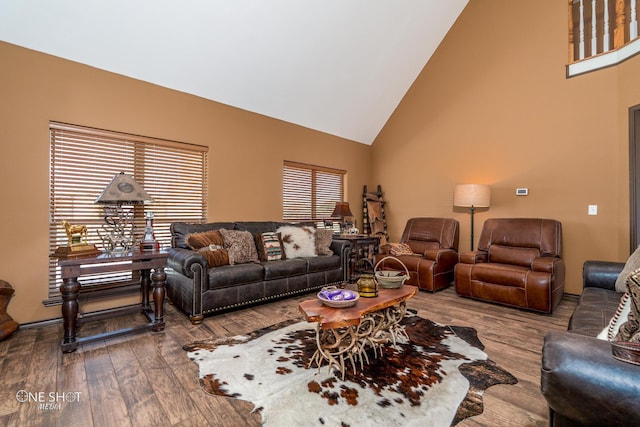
(336, 66)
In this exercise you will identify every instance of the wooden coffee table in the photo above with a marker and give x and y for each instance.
(344, 334)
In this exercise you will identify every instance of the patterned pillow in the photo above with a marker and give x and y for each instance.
(611, 330)
(323, 241)
(298, 241)
(630, 330)
(215, 255)
(396, 249)
(200, 240)
(632, 263)
(240, 246)
(269, 246)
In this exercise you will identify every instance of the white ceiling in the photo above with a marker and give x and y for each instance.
(336, 66)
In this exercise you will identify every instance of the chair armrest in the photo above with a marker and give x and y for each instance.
(182, 260)
(473, 257)
(439, 255)
(582, 381)
(547, 264)
(601, 274)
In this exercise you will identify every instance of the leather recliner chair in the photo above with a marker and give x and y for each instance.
(518, 263)
(434, 242)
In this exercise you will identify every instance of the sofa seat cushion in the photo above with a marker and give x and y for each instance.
(322, 263)
(231, 275)
(594, 311)
(284, 268)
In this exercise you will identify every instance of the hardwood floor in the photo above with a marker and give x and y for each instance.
(146, 379)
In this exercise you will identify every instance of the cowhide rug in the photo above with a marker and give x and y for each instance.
(437, 378)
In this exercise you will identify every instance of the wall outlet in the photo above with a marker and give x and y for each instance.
(522, 191)
(592, 210)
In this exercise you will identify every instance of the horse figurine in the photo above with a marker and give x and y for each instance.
(75, 230)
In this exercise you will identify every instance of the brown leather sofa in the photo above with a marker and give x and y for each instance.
(199, 290)
(434, 242)
(518, 263)
(581, 381)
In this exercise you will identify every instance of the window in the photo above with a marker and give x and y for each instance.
(310, 193)
(85, 160)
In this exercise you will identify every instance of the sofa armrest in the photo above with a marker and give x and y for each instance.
(338, 247)
(582, 381)
(601, 274)
(473, 257)
(182, 260)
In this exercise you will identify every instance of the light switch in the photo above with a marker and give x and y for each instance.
(593, 210)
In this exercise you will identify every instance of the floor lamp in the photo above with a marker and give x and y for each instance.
(472, 196)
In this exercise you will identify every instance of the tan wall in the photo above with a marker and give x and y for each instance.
(245, 157)
(493, 106)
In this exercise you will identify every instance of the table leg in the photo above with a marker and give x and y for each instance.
(144, 289)
(159, 281)
(70, 290)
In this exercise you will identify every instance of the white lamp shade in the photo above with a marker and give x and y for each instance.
(476, 195)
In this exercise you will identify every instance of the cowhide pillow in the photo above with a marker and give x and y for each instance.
(630, 330)
(240, 246)
(200, 240)
(298, 242)
(215, 255)
(324, 238)
(269, 246)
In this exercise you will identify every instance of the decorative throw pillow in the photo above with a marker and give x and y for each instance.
(324, 238)
(632, 264)
(396, 249)
(200, 240)
(298, 241)
(240, 246)
(630, 330)
(611, 330)
(269, 246)
(215, 255)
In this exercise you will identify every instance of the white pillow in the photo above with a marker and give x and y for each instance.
(609, 333)
(298, 241)
(632, 264)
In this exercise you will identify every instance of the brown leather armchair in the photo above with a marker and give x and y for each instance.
(518, 263)
(434, 242)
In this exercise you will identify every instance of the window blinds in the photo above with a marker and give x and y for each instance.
(84, 160)
(310, 193)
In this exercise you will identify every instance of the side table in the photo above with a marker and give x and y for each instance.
(362, 247)
(73, 268)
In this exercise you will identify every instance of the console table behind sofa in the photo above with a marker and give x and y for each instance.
(198, 290)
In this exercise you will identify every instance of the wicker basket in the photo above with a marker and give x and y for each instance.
(390, 279)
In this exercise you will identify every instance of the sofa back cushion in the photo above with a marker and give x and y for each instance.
(256, 227)
(180, 230)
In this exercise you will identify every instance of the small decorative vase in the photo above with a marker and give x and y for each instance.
(7, 324)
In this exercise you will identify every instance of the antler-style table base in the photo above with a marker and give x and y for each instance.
(344, 334)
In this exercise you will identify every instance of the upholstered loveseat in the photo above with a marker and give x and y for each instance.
(198, 289)
(580, 379)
